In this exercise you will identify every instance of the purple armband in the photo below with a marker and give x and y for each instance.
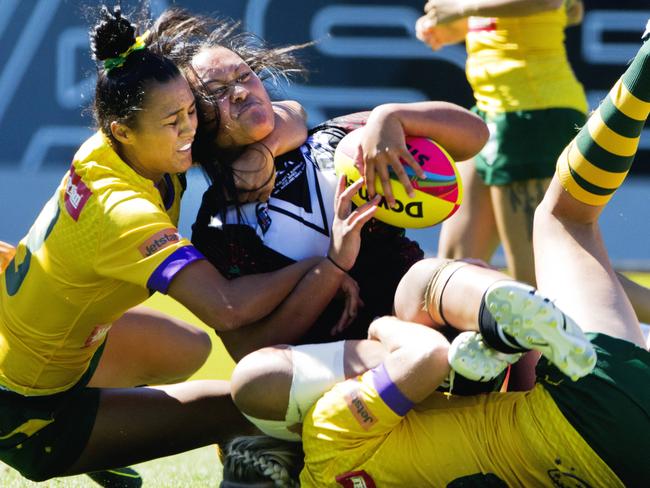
(165, 272)
(389, 392)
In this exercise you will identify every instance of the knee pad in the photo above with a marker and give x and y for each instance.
(316, 369)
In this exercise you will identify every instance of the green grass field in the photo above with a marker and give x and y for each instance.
(198, 468)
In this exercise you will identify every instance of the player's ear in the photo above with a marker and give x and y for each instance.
(121, 132)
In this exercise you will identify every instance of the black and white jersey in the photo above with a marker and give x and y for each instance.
(296, 221)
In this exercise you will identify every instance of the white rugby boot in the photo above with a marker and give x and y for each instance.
(470, 357)
(536, 323)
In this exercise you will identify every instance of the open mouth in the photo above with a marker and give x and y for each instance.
(186, 147)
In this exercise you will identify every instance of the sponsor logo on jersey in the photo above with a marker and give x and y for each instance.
(359, 409)
(159, 241)
(356, 479)
(97, 334)
(76, 195)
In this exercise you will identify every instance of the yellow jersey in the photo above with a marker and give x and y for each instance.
(356, 436)
(520, 63)
(102, 244)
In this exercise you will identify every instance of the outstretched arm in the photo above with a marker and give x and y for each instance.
(293, 317)
(445, 21)
(229, 304)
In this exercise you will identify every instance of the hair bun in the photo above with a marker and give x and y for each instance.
(112, 35)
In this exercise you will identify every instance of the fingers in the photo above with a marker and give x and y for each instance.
(249, 197)
(424, 31)
(7, 253)
(347, 317)
(384, 179)
(395, 160)
(420, 29)
(344, 196)
(340, 187)
(344, 203)
(399, 170)
(368, 172)
(364, 213)
(350, 309)
(252, 191)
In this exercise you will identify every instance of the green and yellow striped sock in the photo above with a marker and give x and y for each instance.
(596, 161)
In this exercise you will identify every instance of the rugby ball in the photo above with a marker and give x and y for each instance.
(437, 196)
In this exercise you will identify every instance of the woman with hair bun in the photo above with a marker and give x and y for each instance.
(103, 243)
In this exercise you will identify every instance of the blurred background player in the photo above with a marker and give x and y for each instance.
(527, 93)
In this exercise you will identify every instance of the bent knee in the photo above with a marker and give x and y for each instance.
(409, 302)
(269, 370)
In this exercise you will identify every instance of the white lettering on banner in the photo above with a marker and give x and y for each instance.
(596, 50)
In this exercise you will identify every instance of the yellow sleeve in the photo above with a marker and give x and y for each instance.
(140, 244)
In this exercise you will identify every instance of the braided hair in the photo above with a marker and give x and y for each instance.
(121, 87)
(251, 459)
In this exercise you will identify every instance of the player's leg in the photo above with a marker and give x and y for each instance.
(147, 347)
(471, 231)
(419, 295)
(639, 296)
(294, 377)
(514, 207)
(511, 317)
(570, 258)
(137, 424)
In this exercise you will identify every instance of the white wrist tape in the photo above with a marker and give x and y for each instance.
(316, 369)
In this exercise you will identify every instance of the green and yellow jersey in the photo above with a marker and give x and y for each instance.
(520, 63)
(102, 244)
(362, 434)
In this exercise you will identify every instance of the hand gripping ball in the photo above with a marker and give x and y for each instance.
(437, 196)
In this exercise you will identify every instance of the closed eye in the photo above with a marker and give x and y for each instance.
(219, 92)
